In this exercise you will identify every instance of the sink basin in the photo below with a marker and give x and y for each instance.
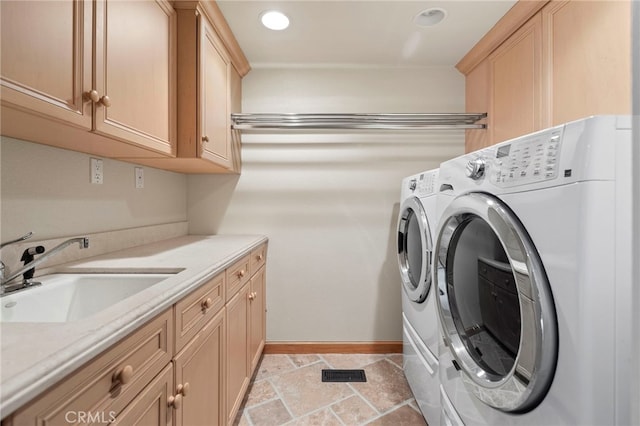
(71, 297)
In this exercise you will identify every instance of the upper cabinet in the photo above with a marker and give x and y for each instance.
(545, 63)
(97, 77)
(587, 52)
(151, 82)
(210, 70)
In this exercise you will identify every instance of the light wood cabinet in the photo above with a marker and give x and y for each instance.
(104, 387)
(514, 82)
(548, 62)
(587, 54)
(246, 325)
(257, 317)
(200, 368)
(238, 369)
(96, 77)
(210, 70)
(150, 407)
(217, 345)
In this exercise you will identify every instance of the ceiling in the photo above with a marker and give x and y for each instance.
(360, 33)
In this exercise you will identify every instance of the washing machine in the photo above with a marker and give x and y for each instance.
(533, 274)
(416, 227)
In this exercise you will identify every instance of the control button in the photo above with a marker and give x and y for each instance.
(554, 138)
(549, 174)
(536, 172)
(523, 173)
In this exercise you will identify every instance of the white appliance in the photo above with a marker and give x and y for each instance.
(534, 278)
(416, 227)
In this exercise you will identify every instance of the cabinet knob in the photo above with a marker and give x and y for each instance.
(93, 96)
(184, 389)
(175, 401)
(260, 256)
(206, 304)
(252, 295)
(105, 101)
(241, 273)
(205, 139)
(123, 375)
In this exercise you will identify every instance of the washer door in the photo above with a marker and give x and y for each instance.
(495, 304)
(414, 249)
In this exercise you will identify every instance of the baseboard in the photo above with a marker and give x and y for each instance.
(384, 347)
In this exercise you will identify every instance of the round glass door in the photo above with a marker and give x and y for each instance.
(495, 303)
(414, 249)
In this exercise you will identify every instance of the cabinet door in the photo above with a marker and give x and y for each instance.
(200, 376)
(514, 75)
(45, 50)
(150, 407)
(135, 72)
(477, 87)
(257, 306)
(215, 98)
(587, 59)
(237, 349)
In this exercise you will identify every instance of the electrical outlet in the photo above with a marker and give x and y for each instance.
(96, 171)
(139, 178)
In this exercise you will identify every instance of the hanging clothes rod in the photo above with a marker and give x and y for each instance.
(365, 121)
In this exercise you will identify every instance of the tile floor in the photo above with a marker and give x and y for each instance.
(288, 390)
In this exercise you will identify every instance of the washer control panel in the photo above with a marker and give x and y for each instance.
(425, 184)
(530, 160)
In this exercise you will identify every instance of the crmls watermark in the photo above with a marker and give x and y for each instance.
(90, 417)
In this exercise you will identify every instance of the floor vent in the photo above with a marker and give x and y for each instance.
(343, 376)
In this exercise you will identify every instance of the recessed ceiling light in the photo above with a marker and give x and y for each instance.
(274, 20)
(430, 17)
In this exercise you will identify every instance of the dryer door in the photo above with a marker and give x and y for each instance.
(495, 304)
(414, 249)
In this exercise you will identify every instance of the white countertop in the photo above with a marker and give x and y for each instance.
(35, 356)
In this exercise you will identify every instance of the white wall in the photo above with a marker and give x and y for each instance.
(329, 201)
(47, 190)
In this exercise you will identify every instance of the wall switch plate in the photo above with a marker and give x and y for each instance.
(96, 171)
(139, 178)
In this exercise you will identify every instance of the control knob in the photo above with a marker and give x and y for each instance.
(475, 168)
(412, 184)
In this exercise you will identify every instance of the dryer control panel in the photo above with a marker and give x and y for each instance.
(527, 160)
(426, 184)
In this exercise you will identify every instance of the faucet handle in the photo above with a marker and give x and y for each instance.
(17, 240)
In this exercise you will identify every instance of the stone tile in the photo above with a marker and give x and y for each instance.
(349, 361)
(319, 418)
(396, 359)
(272, 365)
(403, 416)
(353, 411)
(304, 359)
(259, 392)
(303, 390)
(272, 413)
(386, 386)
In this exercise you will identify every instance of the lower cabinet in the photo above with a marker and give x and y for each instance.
(238, 374)
(150, 407)
(199, 377)
(189, 366)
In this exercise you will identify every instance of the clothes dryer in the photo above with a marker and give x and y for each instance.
(416, 227)
(534, 282)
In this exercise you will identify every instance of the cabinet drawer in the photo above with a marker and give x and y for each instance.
(237, 275)
(258, 258)
(195, 310)
(106, 385)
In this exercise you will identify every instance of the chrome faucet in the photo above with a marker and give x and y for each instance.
(83, 243)
(17, 240)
